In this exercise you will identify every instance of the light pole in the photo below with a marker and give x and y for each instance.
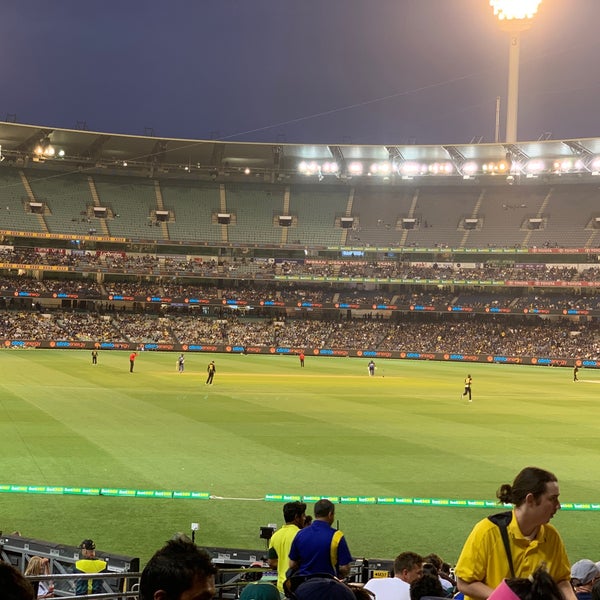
(515, 17)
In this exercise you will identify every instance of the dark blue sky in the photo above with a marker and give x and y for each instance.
(323, 71)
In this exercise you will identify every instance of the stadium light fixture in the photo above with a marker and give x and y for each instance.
(410, 169)
(469, 168)
(329, 167)
(380, 168)
(535, 166)
(355, 168)
(515, 17)
(515, 9)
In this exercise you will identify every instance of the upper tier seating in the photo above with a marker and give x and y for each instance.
(193, 206)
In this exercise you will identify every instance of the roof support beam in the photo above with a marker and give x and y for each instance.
(216, 160)
(339, 158)
(458, 159)
(35, 138)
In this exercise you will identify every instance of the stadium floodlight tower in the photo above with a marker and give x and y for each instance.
(515, 17)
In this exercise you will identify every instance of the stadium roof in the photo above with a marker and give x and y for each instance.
(151, 156)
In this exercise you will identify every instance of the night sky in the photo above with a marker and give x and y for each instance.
(322, 71)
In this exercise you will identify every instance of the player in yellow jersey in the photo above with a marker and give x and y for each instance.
(467, 392)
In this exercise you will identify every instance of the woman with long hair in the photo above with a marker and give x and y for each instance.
(40, 566)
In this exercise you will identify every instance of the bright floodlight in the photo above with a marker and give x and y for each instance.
(515, 9)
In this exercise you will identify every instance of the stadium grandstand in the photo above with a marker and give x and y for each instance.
(121, 241)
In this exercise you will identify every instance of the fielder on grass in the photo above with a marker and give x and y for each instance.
(467, 392)
(371, 368)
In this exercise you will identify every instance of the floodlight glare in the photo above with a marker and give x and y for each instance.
(515, 9)
(410, 168)
(329, 167)
(535, 166)
(469, 168)
(355, 168)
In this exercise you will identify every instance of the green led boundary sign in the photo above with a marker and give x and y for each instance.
(401, 501)
(192, 495)
(96, 491)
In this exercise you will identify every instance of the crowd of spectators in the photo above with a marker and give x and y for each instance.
(504, 336)
(160, 265)
(297, 294)
(144, 275)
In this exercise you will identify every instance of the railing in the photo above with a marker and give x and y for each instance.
(228, 589)
(124, 578)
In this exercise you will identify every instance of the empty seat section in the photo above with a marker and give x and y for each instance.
(254, 208)
(504, 210)
(13, 203)
(193, 206)
(131, 201)
(569, 211)
(379, 215)
(67, 197)
(316, 209)
(439, 211)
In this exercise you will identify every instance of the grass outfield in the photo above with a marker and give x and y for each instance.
(267, 426)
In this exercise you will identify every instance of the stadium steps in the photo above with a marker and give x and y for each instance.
(539, 215)
(411, 212)
(96, 200)
(348, 214)
(286, 211)
(40, 217)
(223, 209)
(474, 215)
(160, 205)
(591, 240)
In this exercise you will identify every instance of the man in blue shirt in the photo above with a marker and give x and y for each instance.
(320, 548)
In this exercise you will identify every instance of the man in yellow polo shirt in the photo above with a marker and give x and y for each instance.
(294, 514)
(484, 561)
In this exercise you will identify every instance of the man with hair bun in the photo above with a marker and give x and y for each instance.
(516, 543)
